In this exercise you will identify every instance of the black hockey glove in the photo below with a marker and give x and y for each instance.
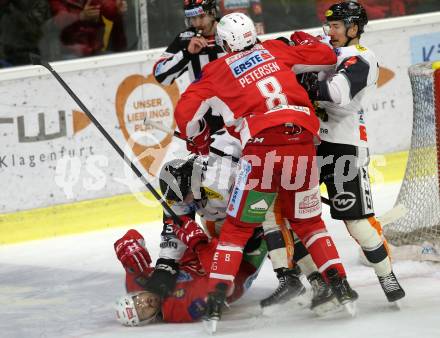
(310, 83)
(164, 277)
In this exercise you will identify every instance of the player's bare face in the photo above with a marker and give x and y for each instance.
(147, 304)
(336, 30)
(204, 23)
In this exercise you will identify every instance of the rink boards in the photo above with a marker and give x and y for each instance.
(128, 209)
(59, 175)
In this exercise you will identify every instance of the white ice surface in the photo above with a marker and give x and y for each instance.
(65, 287)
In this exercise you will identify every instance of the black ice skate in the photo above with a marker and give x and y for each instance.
(289, 286)
(391, 287)
(215, 303)
(342, 290)
(323, 299)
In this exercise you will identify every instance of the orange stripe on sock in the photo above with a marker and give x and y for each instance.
(287, 235)
(378, 227)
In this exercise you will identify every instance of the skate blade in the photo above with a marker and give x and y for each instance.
(300, 298)
(328, 308)
(210, 326)
(350, 308)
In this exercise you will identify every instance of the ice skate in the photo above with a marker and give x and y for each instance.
(215, 303)
(289, 286)
(324, 300)
(392, 289)
(345, 295)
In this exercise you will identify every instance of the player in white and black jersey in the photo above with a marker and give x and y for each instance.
(344, 149)
(192, 49)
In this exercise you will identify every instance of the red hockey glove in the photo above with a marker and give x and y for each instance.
(302, 38)
(199, 144)
(131, 251)
(190, 233)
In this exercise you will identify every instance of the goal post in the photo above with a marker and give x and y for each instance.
(417, 234)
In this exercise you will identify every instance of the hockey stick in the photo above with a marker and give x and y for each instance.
(392, 215)
(176, 133)
(388, 217)
(36, 60)
(216, 151)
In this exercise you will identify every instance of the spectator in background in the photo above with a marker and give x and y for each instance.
(422, 6)
(165, 21)
(252, 8)
(288, 15)
(20, 29)
(90, 27)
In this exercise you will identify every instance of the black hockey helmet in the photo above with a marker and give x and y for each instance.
(349, 12)
(175, 179)
(198, 7)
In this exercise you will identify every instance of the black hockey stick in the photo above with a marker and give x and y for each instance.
(177, 134)
(216, 151)
(36, 60)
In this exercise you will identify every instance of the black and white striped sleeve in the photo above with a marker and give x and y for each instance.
(173, 63)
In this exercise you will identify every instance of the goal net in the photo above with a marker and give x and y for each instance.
(417, 234)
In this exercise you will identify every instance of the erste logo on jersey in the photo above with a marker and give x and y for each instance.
(248, 62)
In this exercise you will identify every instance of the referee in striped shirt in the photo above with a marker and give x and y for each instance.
(192, 49)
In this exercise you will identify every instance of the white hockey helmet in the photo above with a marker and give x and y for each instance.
(238, 30)
(138, 308)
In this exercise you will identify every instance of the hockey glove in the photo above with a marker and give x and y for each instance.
(131, 251)
(302, 38)
(199, 144)
(190, 233)
(310, 83)
(164, 277)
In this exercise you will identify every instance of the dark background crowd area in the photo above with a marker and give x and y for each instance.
(68, 29)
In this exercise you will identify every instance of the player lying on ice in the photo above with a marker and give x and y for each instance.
(184, 298)
(188, 192)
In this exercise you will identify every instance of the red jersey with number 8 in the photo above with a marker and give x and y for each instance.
(255, 89)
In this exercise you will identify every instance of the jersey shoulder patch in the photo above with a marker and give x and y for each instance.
(356, 70)
(212, 195)
(350, 62)
(361, 48)
(197, 308)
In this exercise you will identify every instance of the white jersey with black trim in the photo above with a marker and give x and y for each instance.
(342, 115)
(218, 177)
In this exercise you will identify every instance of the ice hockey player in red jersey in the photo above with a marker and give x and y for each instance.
(186, 300)
(256, 92)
